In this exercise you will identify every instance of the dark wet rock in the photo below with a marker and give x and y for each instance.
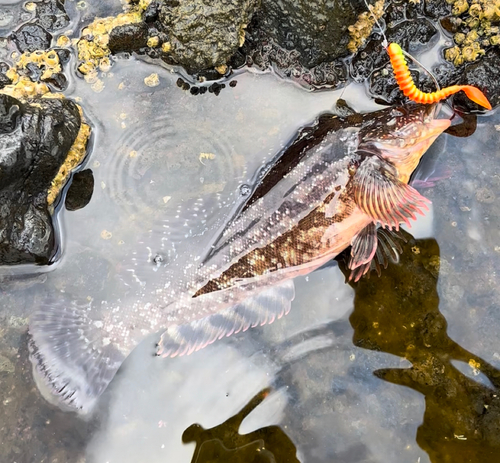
(64, 55)
(81, 190)
(315, 29)
(303, 39)
(451, 24)
(51, 15)
(204, 33)
(31, 37)
(35, 139)
(4, 80)
(128, 37)
(437, 8)
(485, 74)
(58, 81)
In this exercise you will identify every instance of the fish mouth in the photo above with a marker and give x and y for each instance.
(409, 143)
(433, 129)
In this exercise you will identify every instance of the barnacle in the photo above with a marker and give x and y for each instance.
(75, 156)
(93, 50)
(22, 86)
(362, 28)
(476, 29)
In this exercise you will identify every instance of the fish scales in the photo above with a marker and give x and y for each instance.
(335, 183)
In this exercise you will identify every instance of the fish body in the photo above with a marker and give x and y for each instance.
(331, 188)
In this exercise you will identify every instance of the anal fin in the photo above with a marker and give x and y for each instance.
(373, 249)
(258, 310)
(363, 246)
(381, 195)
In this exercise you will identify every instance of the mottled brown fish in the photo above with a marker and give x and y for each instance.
(336, 183)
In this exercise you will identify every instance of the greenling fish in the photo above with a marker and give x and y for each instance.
(341, 182)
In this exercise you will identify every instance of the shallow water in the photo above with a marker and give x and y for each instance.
(401, 368)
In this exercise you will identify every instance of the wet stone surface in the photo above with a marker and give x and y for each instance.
(35, 139)
(80, 192)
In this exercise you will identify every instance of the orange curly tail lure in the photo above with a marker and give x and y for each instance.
(407, 86)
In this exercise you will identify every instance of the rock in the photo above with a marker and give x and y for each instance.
(4, 80)
(81, 190)
(485, 74)
(51, 15)
(31, 37)
(129, 37)
(316, 29)
(303, 40)
(203, 34)
(35, 138)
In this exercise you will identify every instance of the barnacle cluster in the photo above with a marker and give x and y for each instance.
(22, 86)
(75, 156)
(362, 28)
(477, 23)
(93, 49)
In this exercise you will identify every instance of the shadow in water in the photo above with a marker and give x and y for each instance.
(223, 443)
(398, 313)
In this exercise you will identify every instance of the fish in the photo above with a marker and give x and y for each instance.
(340, 182)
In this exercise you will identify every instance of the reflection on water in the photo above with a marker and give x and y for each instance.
(399, 314)
(224, 444)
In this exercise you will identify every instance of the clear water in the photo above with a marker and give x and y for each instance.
(401, 368)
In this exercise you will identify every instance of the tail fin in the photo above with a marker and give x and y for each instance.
(476, 95)
(71, 363)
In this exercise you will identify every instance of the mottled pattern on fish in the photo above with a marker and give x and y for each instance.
(329, 189)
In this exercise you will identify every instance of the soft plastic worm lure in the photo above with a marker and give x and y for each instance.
(407, 86)
(405, 81)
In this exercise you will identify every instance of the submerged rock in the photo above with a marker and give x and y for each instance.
(35, 139)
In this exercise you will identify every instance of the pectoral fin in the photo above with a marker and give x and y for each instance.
(258, 310)
(381, 195)
(373, 249)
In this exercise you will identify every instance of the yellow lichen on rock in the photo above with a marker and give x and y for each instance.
(63, 41)
(153, 42)
(75, 156)
(222, 69)
(362, 28)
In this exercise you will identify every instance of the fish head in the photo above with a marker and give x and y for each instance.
(402, 135)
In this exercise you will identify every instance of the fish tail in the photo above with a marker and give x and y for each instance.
(71, 364)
